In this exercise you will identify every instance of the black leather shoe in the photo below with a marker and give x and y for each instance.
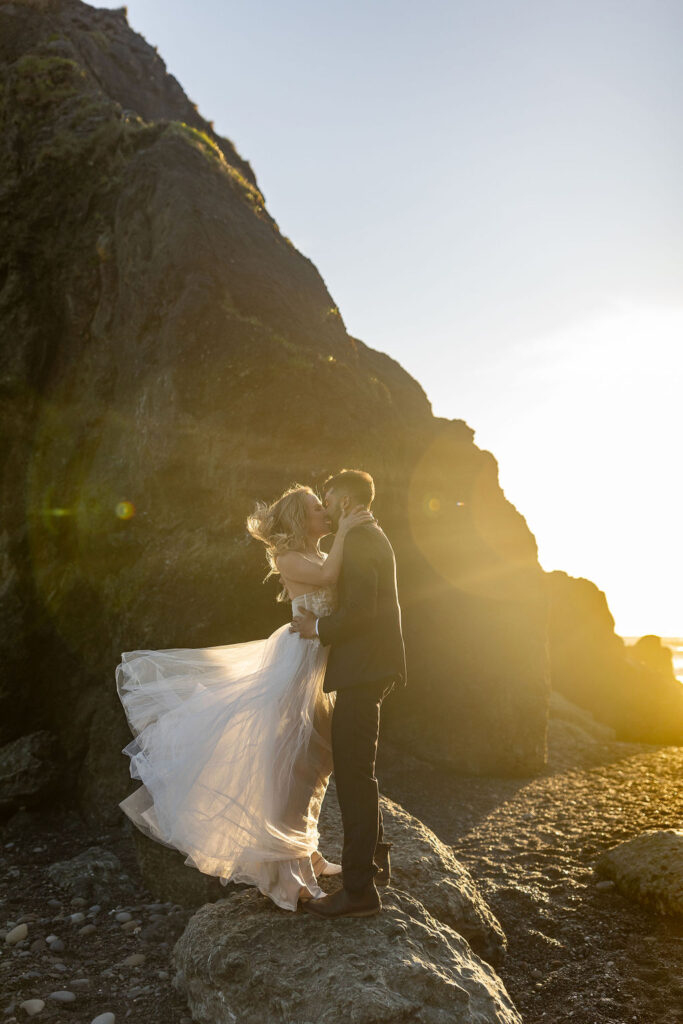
(345, 904)
(383, 862)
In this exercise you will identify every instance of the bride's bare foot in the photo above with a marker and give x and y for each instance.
(324, 867)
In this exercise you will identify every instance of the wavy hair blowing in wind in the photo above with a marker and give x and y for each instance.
(281, 526)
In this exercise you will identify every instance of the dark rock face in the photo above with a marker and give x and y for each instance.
(169, 357)
(631, 689)
(170, 879)
(29, 771)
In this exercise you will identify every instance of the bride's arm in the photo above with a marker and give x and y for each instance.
(296, 568)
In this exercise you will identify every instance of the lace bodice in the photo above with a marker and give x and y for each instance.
(321, 602)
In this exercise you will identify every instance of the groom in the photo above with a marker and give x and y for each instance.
(366, 658)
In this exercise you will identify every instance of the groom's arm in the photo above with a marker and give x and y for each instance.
(360, 593)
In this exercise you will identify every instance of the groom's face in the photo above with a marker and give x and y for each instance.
(334, 506)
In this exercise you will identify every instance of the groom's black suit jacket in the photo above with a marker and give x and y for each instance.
(364, 633)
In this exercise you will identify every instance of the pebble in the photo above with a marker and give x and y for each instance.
(32, 1006)
(104, 1018)
(134, 960)
(78, 901)
(129, 926)
(27, 917)
(123, 915)
(604, 886)
(16, 934)
(54, 904)
(80, 983)
(77, 918)
(62, 996)
(95, 909)
(87, 929)
(56, 946)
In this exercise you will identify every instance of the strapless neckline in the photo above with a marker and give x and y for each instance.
(321, 601)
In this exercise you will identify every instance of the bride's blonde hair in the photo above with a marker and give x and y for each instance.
(281, 526)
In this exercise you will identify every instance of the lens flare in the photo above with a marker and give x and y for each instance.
(125, 510)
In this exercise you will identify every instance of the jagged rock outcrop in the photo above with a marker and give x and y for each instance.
(239, 959)
(168, 357)
(650, 651)
(649, 869)
(628, 688)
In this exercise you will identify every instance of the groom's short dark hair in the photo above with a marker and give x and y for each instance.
(355, 482)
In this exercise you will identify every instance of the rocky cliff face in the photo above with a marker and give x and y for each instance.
(632, 689)
(168, 357)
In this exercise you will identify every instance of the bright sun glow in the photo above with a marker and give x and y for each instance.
(588, 434)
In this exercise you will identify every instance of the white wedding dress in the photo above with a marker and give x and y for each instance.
(232, 746)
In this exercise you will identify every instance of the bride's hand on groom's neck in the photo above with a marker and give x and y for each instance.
(354, 517)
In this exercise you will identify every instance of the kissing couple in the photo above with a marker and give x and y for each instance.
(235, 745)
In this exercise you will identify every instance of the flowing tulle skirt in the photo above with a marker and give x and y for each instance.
(232, 746)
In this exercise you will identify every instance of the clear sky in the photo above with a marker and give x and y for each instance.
(492, 192)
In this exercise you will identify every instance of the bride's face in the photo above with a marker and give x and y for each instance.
(317, 521)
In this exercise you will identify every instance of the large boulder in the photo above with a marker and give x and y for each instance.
(649, 869)
(243, 960)
(168, 357)
(95, 875)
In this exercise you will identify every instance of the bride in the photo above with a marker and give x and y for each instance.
(232, 744)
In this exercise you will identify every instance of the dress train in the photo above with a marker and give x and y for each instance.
(232, 747)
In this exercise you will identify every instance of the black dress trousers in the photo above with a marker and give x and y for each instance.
(355, 731)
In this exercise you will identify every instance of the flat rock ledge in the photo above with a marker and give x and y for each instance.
(649, 869)
(243, 961)
(425, 867)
